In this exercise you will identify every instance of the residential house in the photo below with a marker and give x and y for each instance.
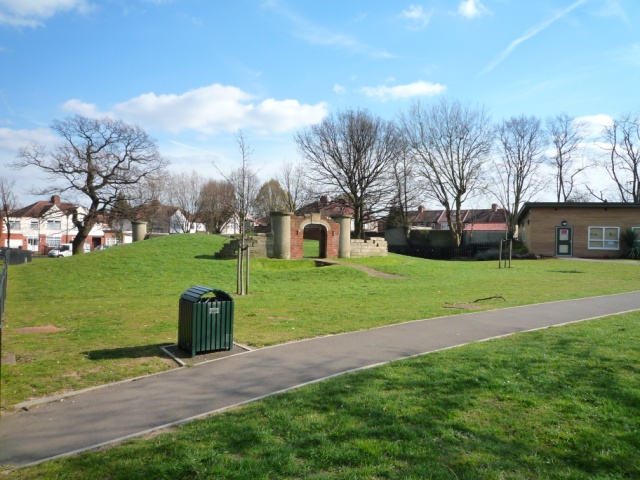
(590, 229)
(480, 225)
(339, 206)
(43, 225)
(164, 219)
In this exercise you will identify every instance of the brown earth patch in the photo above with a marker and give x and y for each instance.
(41, 329)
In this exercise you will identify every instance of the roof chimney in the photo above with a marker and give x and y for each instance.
(421, 209)
(55, 199)
(324, 199)
(494, 207)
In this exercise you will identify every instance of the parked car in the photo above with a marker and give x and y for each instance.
(100, 247)
(64, 250)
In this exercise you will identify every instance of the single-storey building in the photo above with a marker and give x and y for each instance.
(591, 230)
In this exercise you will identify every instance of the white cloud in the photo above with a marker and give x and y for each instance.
(209, 110)
(12, 140)
(595, 123)
(529, 34)
(472, 8)
(339, 89)
(31, 13)
(384, 93)
(417, 15)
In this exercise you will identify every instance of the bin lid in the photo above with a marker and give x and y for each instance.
(194, 294)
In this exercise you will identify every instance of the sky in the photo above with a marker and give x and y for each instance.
(193, 73)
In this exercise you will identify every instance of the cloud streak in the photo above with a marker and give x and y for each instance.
(532, 32)
(416, 89)
(318, 35)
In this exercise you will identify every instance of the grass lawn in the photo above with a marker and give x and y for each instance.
(114, 308)
(560, 403)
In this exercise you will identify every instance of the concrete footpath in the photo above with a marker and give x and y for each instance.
(129, 409)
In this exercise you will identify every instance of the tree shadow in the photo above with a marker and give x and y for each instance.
(565, 271)
(209, 257)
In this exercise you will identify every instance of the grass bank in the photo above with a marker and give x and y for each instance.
(559, 403)
(114, 308)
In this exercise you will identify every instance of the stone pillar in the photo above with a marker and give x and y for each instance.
(344, 245)
(138, 231)
(281, 230)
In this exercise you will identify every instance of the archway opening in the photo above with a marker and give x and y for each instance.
(314, 241)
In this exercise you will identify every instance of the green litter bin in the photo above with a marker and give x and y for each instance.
(205, 320)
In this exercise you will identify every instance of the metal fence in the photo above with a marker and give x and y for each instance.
(447, 253)
(3, 287)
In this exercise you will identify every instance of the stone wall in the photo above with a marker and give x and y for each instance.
(371, 247)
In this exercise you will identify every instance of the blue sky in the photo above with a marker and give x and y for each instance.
(193, 72)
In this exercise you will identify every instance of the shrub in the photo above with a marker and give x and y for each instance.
(631, 240)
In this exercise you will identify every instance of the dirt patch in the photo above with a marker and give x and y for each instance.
(369, 271)
(41, 329)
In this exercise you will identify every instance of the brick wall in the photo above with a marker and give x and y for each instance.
(538, 227)
(371, 247)
(331, 228)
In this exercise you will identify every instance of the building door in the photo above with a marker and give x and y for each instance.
(33, 243)
(564, 241)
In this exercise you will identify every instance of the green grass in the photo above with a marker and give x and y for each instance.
(117, 306)
(311, 248)
(560, 403)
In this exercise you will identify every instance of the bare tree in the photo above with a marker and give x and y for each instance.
(184, 191)
(567, 136)
(270, 198)
(516, 177)
(244, 182)
(8, 203)
(99, 158)
(622, 143)
(406, 189)
(216, 201)
(352, 152)
(451, 143)
(292, 179)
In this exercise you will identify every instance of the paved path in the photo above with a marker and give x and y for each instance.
(132, 408)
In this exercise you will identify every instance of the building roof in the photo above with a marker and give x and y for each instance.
(493, 217)
(42, 208)
(326, 207)
(529, 205)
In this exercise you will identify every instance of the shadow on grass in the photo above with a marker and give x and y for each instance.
(207, 257)
(126, 352)
(565, 271)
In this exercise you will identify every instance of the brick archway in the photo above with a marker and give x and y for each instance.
(331, 235)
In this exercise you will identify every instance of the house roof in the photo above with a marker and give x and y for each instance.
(529, 205)
(42, 208)
(326, 207)
(490, 216)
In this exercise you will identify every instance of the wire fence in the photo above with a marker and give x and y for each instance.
(463, 252)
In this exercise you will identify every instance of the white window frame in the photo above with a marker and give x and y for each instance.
(54, 224)
(54, 240)
(603, 239)
(14, 225)
(34, 225)
(637, 230)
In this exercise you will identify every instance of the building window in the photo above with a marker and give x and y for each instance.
(110, 241)
(14, 224)
(34, 225)
(54, 225)
(444, 226)
(604, 238)
(53, 241)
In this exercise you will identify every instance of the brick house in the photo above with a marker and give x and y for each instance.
(590, 230)
(46, 224)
